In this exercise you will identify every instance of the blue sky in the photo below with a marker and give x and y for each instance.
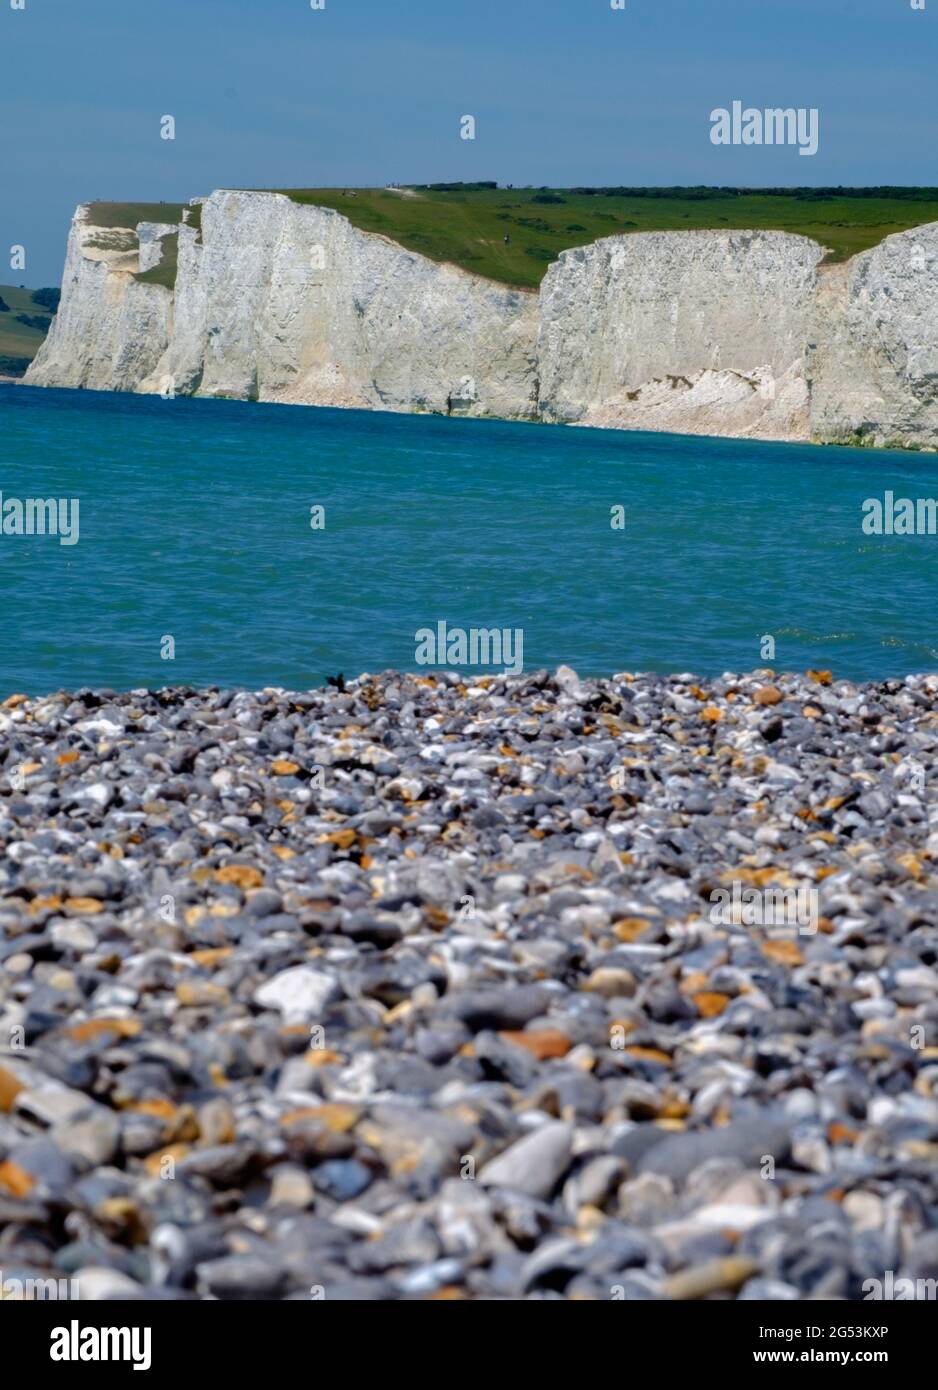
(272, 93)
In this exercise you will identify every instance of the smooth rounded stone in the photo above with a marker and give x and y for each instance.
(50, 1170)
(689, 1246)
(414, 1139)
(73, 936)
(588, 920)
(510, 885)
(873, 805)
(94, 1253)
(373, 928)
(96, 886)
(21, 944)
(265, 902)
(305, 1241)
(406, 1243)
(112, 996)
(89, 1139)
(553, 1264)
(96, 1188)
(291, 1187)
(721, 1181)
(310, 1141)
(800, 1104)
(18, 964)
(615, 1248)
(506, 1060)
(749, 1139)
(508, 1008)
(465, 1220)
(226, 1165)
(575, 1095)
(342, 1179)
(440, 1043)
(238, 1277)
(611, 983)
(432, 1277)
(810, 1151)
(533, 1165)
(707, 1227)
(632, 1144)
(645, 1200)
(547, 956)
(141, 1081)
(665, 1004)
(51, 1103)
(728, 1273)
(378, 821)
(98, 1283)
(298, 1078)
(176, 1250)
(216, 1121)
(301, 994)
(100, 794)
(865, 1210)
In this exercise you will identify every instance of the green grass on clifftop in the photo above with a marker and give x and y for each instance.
(129, 214)
(467, 226)
(164, 273)
(124, 218)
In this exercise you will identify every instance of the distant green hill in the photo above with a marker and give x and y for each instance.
(21, 340)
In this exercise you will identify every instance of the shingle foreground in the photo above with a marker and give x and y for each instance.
(471, 987)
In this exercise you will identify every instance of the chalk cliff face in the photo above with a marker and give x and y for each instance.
(754, 404)
(736, 333)
(691, 331)
(873, 358)
(109, 330)
(292, 303)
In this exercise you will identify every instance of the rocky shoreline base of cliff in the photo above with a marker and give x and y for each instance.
(471, 987)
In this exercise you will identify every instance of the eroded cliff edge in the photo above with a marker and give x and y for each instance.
(709, 332)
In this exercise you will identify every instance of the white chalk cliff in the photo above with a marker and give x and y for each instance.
(699, 332)
(707, 332)
(110, 330)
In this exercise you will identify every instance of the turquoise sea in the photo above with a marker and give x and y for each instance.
(195, 524)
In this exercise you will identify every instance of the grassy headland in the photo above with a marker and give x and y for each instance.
(467, 224)
(125, 217)
(164, 272)
(130, 214)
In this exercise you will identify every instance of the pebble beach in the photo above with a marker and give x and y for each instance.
(413, 989)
